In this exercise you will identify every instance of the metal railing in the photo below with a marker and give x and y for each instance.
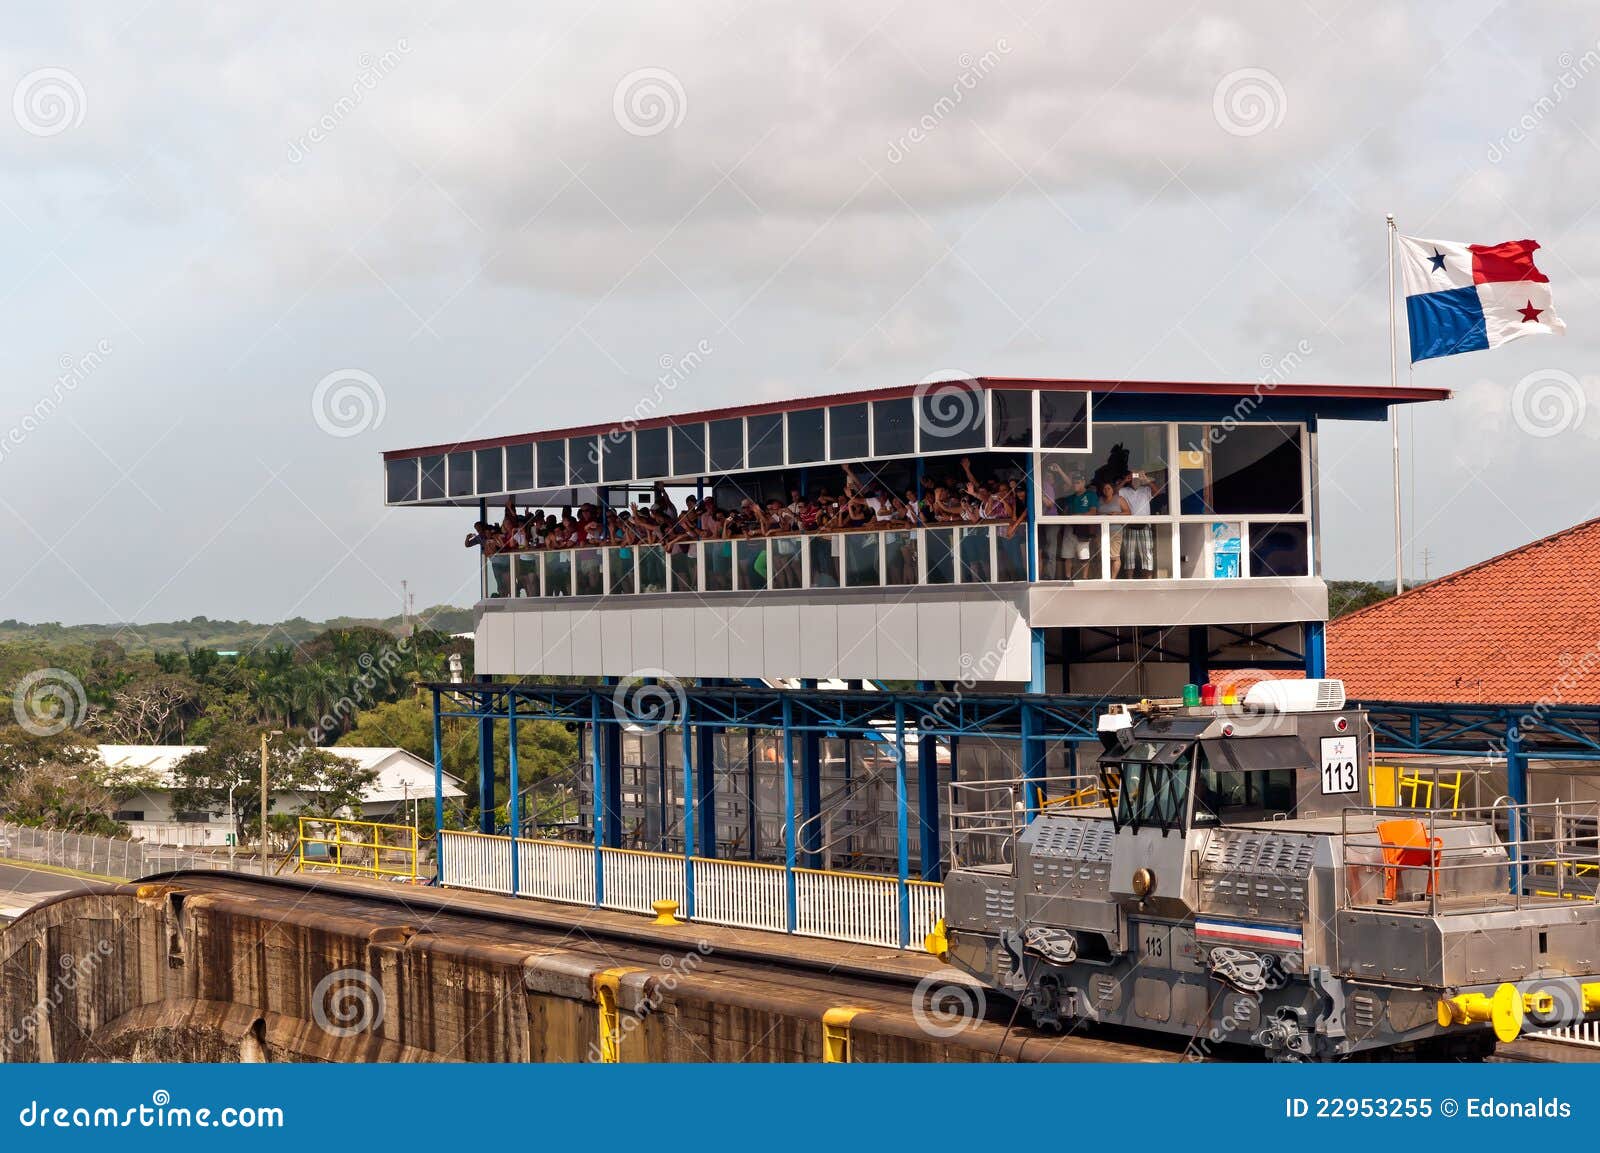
(103, 856)
(861, 558)
(367, 848)
(859, 907)
(987, 816)
(1470, 860)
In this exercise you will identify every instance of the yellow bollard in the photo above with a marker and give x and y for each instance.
(1591, 997)
(836, 1048)
(938, 941)
(1504, 1010)
(666, 913)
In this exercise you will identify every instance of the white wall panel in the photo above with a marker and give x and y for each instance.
(819, 641)
(648, 652)
(745, 639)
(984, 636)
(897, 642)
(529, 628)
(939, 637)
(616, 641)
(496, 646)
(558, 643)
(710, 642)
(780, 642)
(858, 640)
(677, 641)
(586, 655)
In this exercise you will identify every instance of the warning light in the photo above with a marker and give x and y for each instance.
(1191, 695)
(1208, 694)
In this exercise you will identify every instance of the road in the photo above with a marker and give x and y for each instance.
(21, 887)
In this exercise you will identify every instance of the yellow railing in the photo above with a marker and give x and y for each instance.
(364, 847)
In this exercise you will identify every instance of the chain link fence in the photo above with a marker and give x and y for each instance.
(105, 856)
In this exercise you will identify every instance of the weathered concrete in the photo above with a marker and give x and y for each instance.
(183, 972)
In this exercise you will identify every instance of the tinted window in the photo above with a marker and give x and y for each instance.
(519, 468)
(847, 431)
(688, 450)
(1278, 550)
(1064, 420)
(1012, 414)
(432, 478)
(402, 479)
(583, 460)
(490, 477)
(616, 455)
(552, 464)
(1254, 468)
(951, 416)
(893, 433)
(460, 474)
(650, 452)
(727, 445)
(805, 435)
(766, 440)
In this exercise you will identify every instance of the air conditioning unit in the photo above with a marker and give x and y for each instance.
(1306, 696)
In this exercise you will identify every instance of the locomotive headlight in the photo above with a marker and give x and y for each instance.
(1340, 725)
(1144, 883)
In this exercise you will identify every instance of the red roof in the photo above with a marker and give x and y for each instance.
(1519, 628)
(1406, 394)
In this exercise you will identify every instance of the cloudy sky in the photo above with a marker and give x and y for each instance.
(507, 215)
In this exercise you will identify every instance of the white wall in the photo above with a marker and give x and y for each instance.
(945, 637)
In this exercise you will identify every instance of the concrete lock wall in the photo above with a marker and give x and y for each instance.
(160, 972)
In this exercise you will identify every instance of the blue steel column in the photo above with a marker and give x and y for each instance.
(1517, 790)
(706, 797)
(598, 797)
(752, 828)
(929, 850)
(1200, 655)
(438, 792)
(513, 806)
(1316, 646)
(1036, 660)
(791, 908)
(1032, 760)
(811, 791)
(611, 745)
(688, 810)
(485, 761)
(902, 832)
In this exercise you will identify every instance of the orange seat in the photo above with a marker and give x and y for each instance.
(1406, 845)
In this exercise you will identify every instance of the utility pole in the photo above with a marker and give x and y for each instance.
(1427, 558)
(265, 868)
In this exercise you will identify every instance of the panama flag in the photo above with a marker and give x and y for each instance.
(1463, 297)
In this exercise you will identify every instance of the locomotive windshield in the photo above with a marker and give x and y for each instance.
(1150, 780)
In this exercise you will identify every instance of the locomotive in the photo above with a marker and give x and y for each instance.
(1228, 879)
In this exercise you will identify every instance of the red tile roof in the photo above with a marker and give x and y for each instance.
(1519, 628)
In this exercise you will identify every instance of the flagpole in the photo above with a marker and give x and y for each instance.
(1394, 422)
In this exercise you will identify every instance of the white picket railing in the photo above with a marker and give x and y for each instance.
(634, 879)
(475, 861)
(743, 894)
(854, 907)
(847, 907)
(1585, 1033)
(927, 908)
(556, 871)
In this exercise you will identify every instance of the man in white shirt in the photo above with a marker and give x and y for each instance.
(1138, 540)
